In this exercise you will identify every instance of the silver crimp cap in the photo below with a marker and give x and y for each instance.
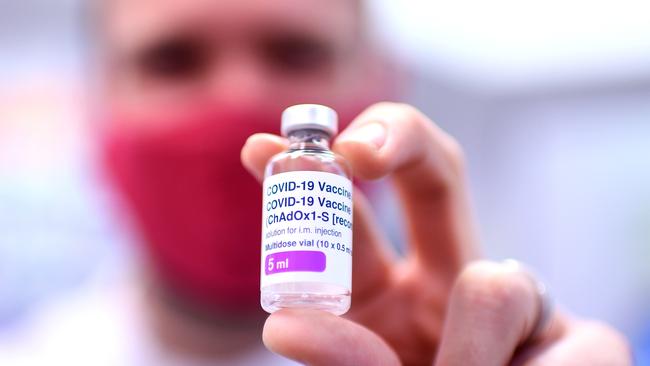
(309, 116)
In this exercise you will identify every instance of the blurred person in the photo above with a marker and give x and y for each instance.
(184, 84)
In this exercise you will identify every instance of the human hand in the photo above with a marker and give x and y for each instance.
(434, 304)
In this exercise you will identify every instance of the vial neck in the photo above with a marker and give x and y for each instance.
(309, 139)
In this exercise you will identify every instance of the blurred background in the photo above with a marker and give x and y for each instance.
(550, 100)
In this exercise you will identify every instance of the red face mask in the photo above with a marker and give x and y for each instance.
(197, 208)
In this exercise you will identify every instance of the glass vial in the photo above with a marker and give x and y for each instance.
(307, 217)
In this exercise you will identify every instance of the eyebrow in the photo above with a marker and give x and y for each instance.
(203, 32)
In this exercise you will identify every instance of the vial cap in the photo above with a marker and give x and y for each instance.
(309, 116)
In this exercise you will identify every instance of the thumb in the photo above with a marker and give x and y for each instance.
(317, 338)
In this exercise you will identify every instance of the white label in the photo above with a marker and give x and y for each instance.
(307, 229)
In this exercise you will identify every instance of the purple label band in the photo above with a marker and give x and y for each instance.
(301, 260)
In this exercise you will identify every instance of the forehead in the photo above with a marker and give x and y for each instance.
(128, 23)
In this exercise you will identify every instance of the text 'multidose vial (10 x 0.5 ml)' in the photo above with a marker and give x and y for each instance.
(307, 218)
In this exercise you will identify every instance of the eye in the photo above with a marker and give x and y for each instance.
(296, 54)
(174, 59)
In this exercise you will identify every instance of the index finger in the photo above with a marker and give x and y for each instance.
(426, 164)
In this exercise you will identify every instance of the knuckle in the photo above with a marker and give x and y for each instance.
(493, 288)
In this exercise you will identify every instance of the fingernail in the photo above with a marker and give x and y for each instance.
(373, 134)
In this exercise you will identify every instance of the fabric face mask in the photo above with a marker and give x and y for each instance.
(196, 207)
(198, 210)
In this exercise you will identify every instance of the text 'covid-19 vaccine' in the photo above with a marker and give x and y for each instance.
(307, 217)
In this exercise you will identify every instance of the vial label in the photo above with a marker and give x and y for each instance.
(307, 229)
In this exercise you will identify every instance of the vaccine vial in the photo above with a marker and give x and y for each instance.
(307, 217)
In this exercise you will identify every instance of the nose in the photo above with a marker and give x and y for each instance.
(238, 79)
